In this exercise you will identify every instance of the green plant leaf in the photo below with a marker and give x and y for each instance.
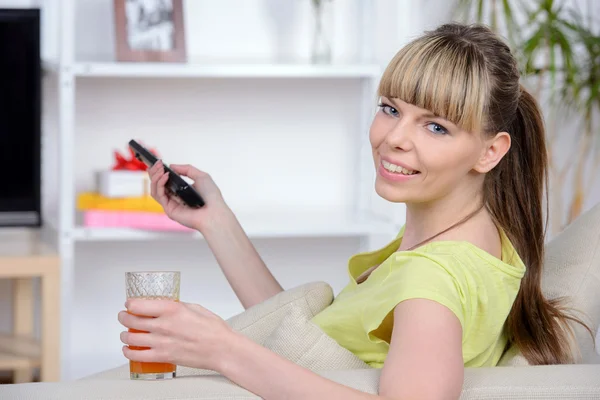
(463, 10)
(514, 30)
(480, 11)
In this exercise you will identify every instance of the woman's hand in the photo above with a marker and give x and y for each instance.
(175, 208)
(180, 333)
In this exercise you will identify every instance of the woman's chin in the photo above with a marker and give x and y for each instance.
(390, 193)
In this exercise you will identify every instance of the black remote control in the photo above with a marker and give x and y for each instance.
(176, 185)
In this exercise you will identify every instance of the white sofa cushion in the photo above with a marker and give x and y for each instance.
(304, 343)
(259, 321)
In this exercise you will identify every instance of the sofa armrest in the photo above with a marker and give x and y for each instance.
(563, 382)
(197, 388)
(580, 381)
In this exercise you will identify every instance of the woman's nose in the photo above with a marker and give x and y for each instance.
(400, 137)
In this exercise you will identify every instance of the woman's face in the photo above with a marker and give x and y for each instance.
(421, 158)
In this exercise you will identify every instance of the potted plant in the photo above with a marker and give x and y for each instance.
(559, 56)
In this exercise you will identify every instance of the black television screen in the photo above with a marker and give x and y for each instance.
(20, 117)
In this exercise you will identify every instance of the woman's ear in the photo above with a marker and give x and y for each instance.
(495, 149)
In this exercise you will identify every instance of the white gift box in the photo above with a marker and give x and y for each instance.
(123, 183)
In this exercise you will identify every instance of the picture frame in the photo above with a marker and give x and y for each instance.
(149, 31)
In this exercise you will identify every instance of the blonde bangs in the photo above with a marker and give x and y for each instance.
(445, 78)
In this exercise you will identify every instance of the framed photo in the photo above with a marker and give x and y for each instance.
(150, 30)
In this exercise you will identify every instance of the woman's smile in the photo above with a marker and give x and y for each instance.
(395, 171)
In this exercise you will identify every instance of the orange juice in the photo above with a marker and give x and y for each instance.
(139, 367)
(151, 285)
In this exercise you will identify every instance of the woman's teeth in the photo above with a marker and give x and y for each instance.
(397, 169)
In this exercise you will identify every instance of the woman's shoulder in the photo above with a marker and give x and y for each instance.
(435, 258)
(479, 242)
(461, 256)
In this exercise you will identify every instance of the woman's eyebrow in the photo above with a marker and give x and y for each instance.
(424, 115)
(432, 115)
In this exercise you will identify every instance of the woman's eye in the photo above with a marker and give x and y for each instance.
(437, 129)
(389, 110)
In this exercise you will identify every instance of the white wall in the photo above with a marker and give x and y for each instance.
(278, 30)
(17, 3)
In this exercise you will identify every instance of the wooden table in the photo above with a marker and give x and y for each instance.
(23, 257)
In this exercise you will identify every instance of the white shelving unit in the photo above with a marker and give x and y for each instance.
(242, 70)
(323, 222)
(313, 223)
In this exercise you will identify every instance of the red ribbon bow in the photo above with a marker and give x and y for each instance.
(130, 164)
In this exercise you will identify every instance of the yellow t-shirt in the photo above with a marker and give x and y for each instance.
(476, 286)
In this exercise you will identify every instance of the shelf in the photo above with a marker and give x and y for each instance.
(27, 252)
(17, 352)
(322, 223)
(10, 362)
(228, 70)
(25, 242)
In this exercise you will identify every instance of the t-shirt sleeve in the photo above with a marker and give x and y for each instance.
(412, 276)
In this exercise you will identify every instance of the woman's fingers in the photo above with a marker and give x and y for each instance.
(151, 307)
(188, 170)
(159, 178)
(138, 323)
(138, 339)
(154, 173)
(156, 169)
(147, 355)
(161, 194)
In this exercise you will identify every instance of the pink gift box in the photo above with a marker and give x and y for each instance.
(136, 220)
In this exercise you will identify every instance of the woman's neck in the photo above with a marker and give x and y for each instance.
(426, 220)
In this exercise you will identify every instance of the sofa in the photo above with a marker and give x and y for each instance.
(283, 324)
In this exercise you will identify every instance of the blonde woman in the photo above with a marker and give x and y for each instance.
(461, 143)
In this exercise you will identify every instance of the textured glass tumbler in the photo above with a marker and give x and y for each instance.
(162, 285)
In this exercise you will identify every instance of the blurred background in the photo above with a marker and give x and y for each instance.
(273, 98)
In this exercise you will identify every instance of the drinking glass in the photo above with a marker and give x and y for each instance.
(162, 285)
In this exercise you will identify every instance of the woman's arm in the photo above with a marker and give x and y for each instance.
(424, 362)
(243, 267)
(245, 271)
(270, 376)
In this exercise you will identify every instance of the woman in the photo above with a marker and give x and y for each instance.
(461, 143)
